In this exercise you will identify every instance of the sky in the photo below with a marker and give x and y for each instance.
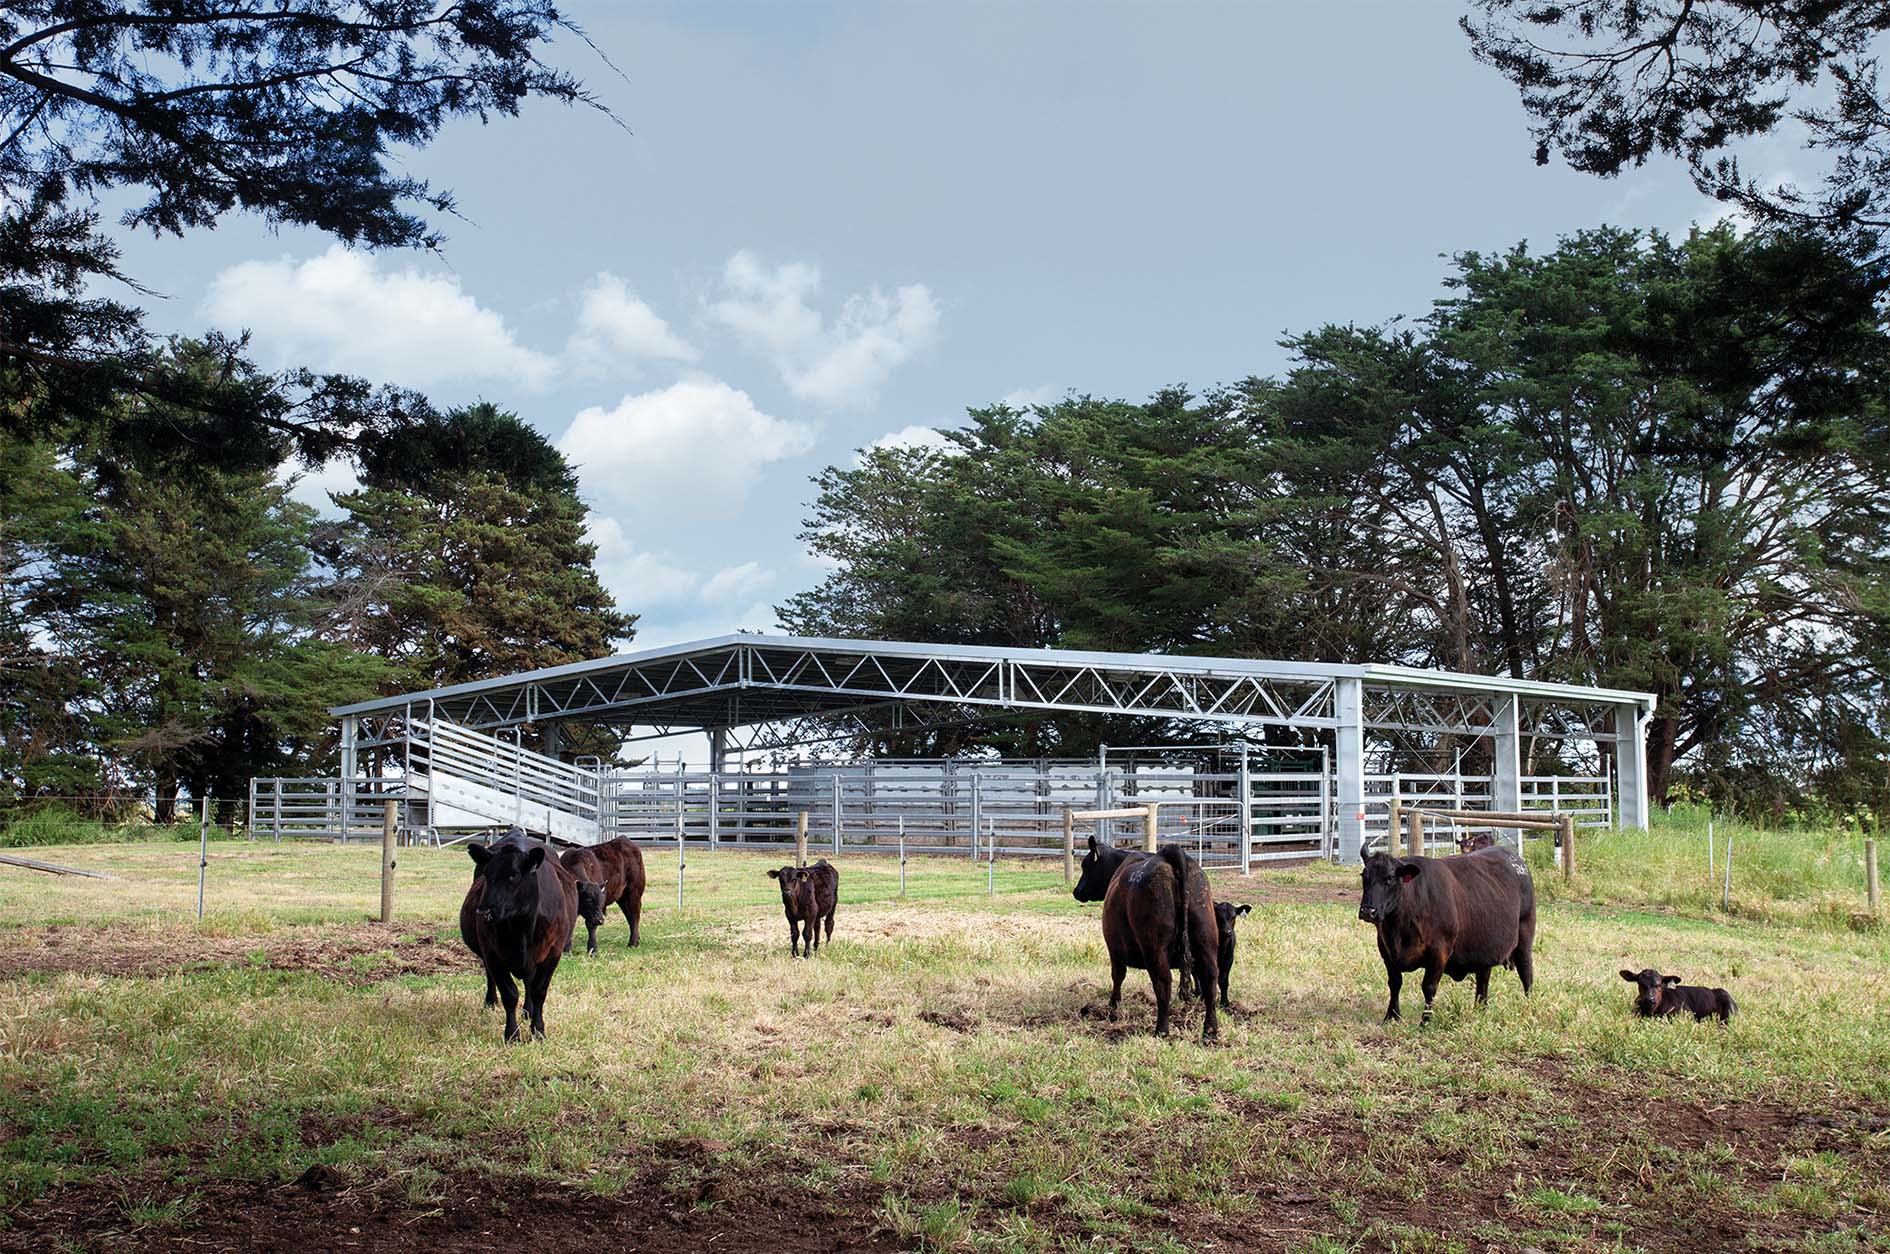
(821, 226)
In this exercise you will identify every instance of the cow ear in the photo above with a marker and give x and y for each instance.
(1092, 842)
(1669, 979)
(1242, 909)
(774, 873)
(1629, 976)
(533, 858)
(1408, 871)
(478, 852)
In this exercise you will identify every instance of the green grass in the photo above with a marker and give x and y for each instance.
(936, 1065)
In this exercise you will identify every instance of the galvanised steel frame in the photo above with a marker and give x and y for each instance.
(756, 691)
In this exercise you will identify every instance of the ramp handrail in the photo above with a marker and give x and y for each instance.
(477, 758)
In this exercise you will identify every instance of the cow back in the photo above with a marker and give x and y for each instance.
(1474, 906)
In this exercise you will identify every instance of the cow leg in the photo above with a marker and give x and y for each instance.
(1525, 960)
(508, 992)
(1206, 977)
(1163, 981)
(794, 936)
(1224, 973)
(492, 990)
(830, 927)
(1433, 976)
(590, 927)
(632, 914)
(1483, 986)
(1394, 978)
(1116, 971)
(812, 924)
(540, 986)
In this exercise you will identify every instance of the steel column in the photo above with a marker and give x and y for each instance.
(1630, 764)
(1349, 767)
(1506, 766)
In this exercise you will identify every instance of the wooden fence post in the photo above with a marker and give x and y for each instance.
(1148, 828)
(800, 839)
(1394, 833)
(1070, 848)
(1870, 871)
(1565, 825)
(390, 826)
(1417, 833)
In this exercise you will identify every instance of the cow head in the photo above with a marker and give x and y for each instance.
(1225, 912)
(1382, 880)
(1100, 865)
(510, 868)
(591, 902)
(1648, 984)
(1470, 842)
(796, 881)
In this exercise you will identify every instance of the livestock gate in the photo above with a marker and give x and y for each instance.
(1272, 759)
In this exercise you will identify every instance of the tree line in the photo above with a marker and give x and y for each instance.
(1631, 461)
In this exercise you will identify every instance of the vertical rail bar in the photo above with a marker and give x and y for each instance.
(1069, 844)
(977, 810)
(1150, 831)
(836, 814)
(203, 852)
(1245, 785)
(682, 857)
(1870, 872)
(390, 814)
(902, 857)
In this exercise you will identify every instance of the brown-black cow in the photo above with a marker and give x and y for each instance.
(1470, 842)
(615, 870)
(1450, 916)
(523, 906)
(1225, 913)
(1158, 914)
(1656, 996)
(809, 895)
(1099, 869)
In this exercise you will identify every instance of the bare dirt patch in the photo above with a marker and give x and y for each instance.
(879, 925)
(356, 954)
(1259, 890)
(325, 1209)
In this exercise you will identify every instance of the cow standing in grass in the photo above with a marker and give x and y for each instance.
(1158, 914)
(809, 896)
(1225, 913)
(1450, 916)
(520, 910)
(608, 874)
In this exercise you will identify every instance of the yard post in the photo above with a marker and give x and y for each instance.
(1566, 827)
(390, 825)
(1394, 832)
(1245, 785)
(1417, 834)
(203, 852)
(1870, 871)
(1070, 846)
(681, 858)
(1725, 896)
(836, 814)
(902, 857)
(1148, 828)
(800, 838)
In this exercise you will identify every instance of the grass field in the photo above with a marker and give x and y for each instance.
(289, 1075)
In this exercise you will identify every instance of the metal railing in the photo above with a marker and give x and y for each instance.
(529, 778)
(318, 808)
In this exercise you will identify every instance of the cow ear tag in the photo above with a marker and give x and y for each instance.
(1407, 873)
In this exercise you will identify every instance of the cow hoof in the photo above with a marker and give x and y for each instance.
(1392, 1016)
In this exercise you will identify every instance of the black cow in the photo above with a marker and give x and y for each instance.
(809, 895)
(1158, 914)
(522, 907)
(1450, 916)
(1100, 865)
(1225, 912)
(1470, 842)
(1658, 996)
(608, 874)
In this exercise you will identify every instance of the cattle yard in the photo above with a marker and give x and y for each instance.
(942, 1075)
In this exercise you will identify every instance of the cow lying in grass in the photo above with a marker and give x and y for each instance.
(608, 874)
(517, 918)
(809, 895)
(1450, 916)
(1658, 996)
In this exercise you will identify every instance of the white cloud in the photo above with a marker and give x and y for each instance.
(690, 448)
(341, 311)
(656, 633)
(615, 328)
(915, 436)
(313, 487)
(1029, 398)
(638, 580)
(735, 583)
(841, 363)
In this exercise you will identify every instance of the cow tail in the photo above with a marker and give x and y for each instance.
(1177, 859)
